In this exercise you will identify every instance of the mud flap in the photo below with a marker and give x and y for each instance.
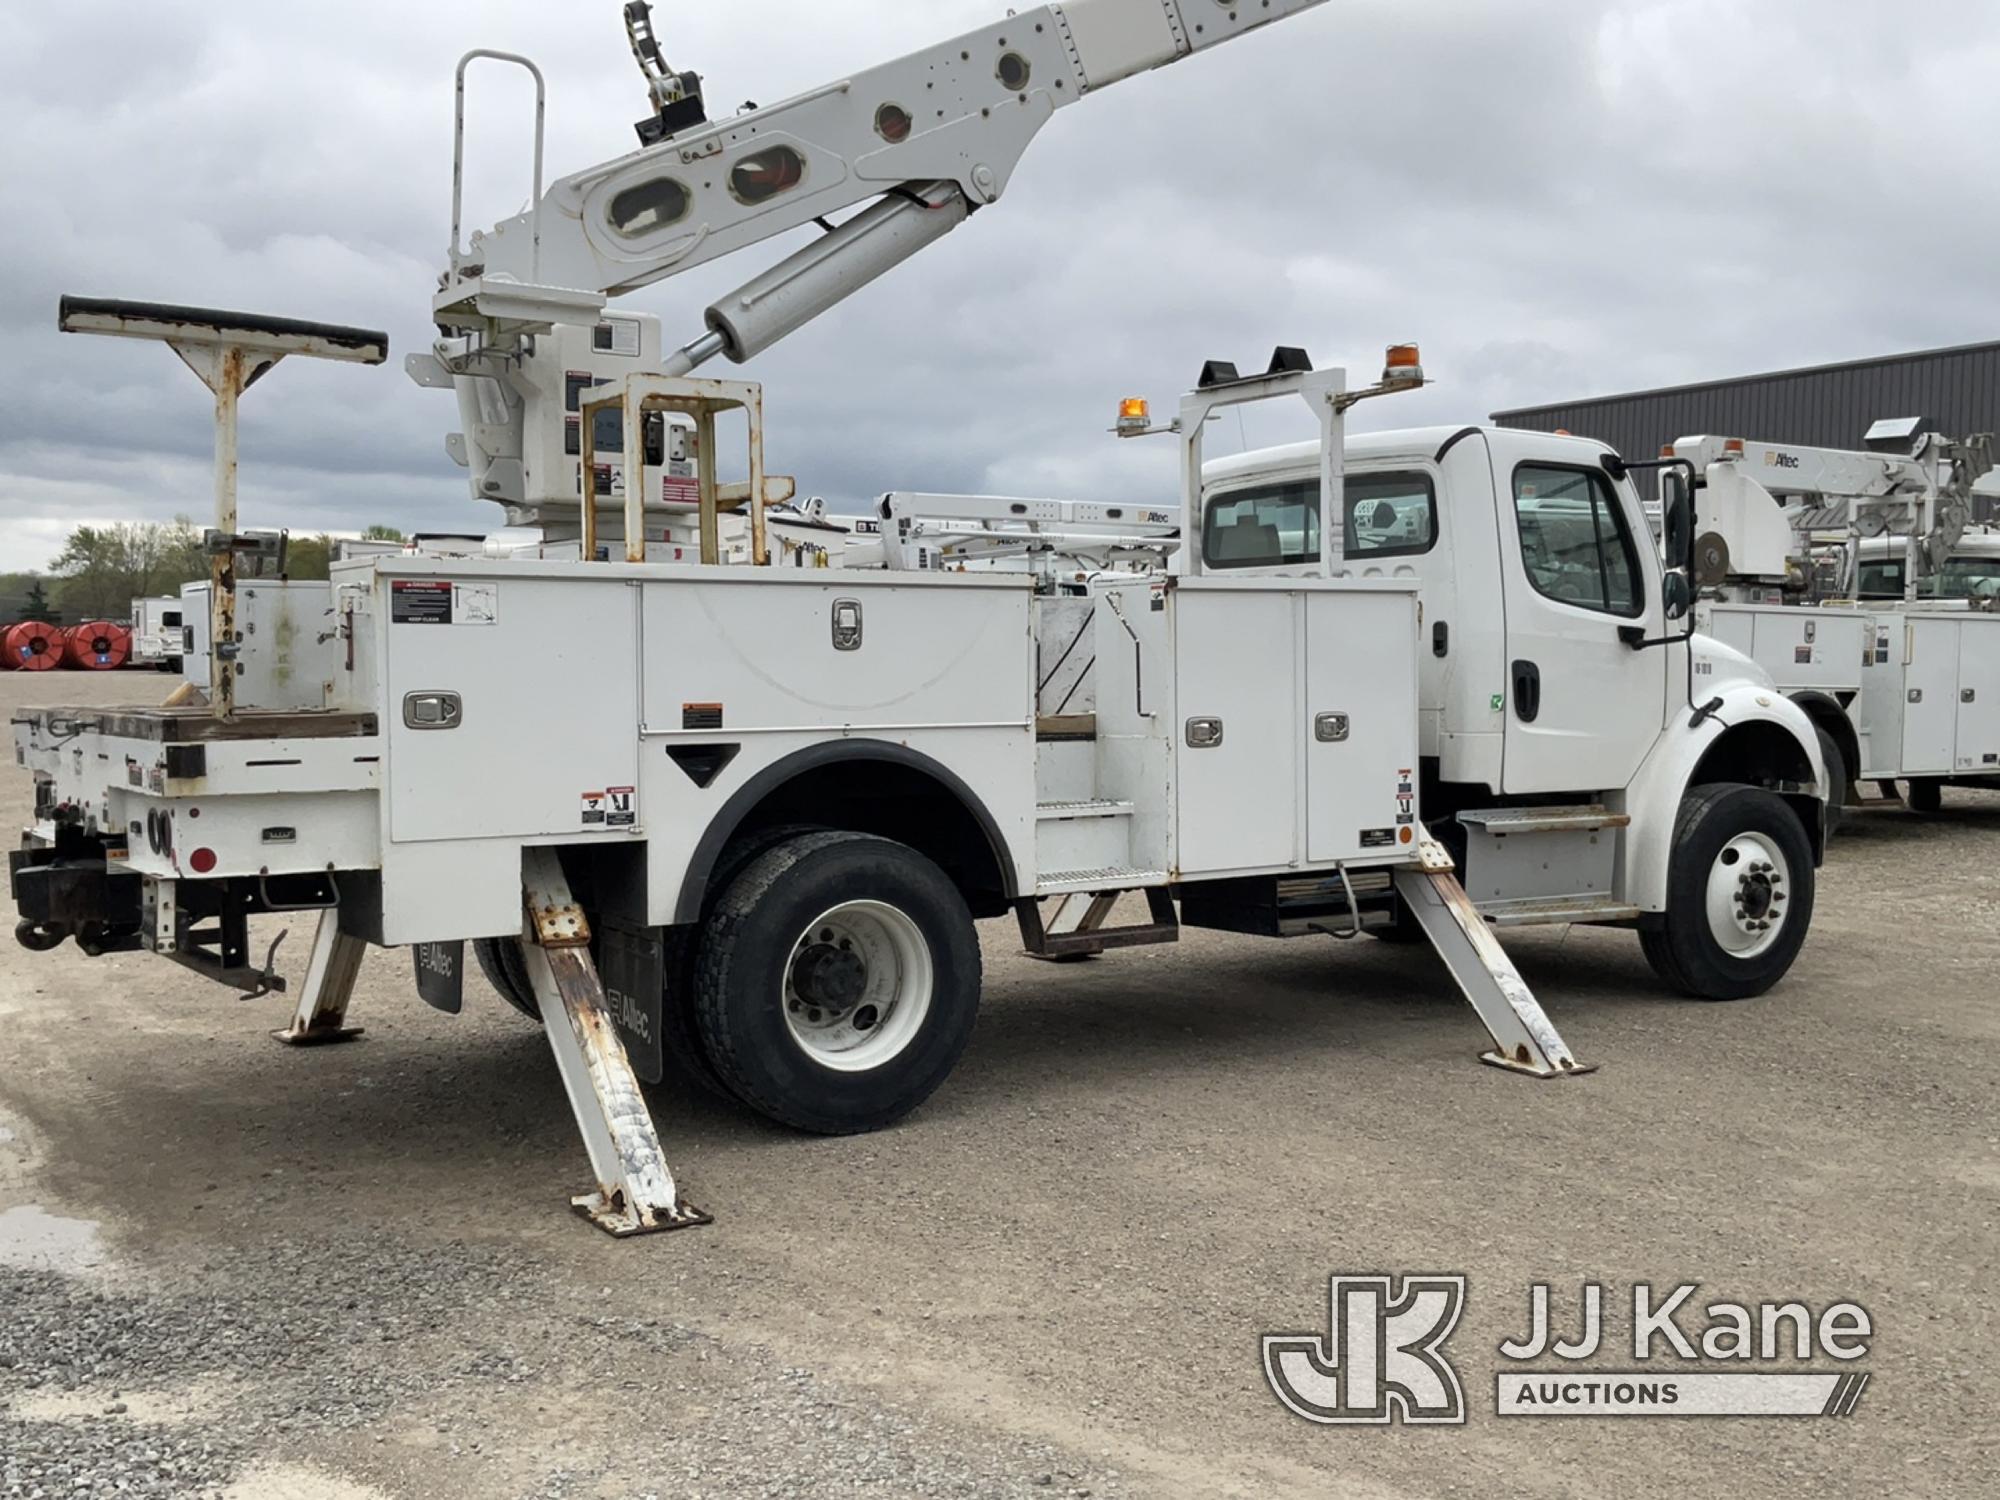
(634, 965)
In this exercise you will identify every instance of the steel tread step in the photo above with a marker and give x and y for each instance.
(1550, 911)
(1062, 882)
(1502, 820)
(1092, 808)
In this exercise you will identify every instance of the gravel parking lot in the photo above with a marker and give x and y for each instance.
(231, 1268)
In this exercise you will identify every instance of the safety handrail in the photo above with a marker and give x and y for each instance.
(458, 153)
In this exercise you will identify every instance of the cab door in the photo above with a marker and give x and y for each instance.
(1583, 707)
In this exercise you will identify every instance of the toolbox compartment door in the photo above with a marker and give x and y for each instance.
(545, 673)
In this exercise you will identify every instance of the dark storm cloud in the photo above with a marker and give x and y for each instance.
(1559, 197)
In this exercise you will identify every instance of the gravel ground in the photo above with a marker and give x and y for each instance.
(230, 1268)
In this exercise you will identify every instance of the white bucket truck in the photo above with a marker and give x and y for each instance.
(745, 817)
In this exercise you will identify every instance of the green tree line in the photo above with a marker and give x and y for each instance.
(102, 569)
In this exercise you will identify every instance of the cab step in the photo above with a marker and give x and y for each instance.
(1509, 820)
(1555, 911)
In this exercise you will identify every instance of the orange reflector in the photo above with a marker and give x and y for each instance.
(1405, 357)
(1409, 836)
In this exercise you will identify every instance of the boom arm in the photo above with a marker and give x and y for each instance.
(924, 140)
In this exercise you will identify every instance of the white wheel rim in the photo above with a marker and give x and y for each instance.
(857, 986)
(1749, 895)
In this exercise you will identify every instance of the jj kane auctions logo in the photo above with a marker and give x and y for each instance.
(1383, 1360)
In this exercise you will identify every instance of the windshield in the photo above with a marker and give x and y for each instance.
(1963, 577)
(1277, 525)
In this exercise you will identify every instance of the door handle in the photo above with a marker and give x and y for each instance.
(1440, 640)
(1527, 691)
(847, 624)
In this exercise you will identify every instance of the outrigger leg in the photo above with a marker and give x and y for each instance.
(329, 984)
(1525, 1039)
(636, 1192)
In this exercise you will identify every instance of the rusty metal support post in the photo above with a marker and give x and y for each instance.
(760, 546)
(635, 476)
(222, 562)
(1525, 1039)
(329, 984)
(711, 529)
(636, 1192)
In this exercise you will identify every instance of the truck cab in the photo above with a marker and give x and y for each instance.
(1563, 695)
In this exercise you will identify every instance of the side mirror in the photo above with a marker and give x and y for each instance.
(1677, 512)
(1678, 593)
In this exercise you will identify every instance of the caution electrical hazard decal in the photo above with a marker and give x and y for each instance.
(435, 601)
(615, 807)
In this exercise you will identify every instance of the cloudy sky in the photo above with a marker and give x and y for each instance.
(1558, 197)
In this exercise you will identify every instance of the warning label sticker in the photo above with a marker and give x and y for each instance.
(433, 601)
(622, 807)
(1406, 799)
(419, 601)
(475, 604)
(677, 489)
(593, 809)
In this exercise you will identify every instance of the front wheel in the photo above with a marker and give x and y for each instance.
(838, 982)
(1739, 895)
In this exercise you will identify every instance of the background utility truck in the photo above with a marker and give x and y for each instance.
(1799, 545)
(157, 640)
(747, 815)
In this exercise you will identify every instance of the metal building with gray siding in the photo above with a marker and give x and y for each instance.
(1828, 406)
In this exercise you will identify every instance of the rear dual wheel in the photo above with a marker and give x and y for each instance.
(837, 982)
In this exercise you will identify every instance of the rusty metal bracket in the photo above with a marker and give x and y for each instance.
(1089, 937)
(1525, 1039)
(636, 1193)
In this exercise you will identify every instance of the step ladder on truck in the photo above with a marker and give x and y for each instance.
(1797, 545)
(743, 818)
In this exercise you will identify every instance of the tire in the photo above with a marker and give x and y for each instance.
(680, 1032)
(1925, 798)
(1837, 782)
(838, 982)
(1706, 949)
(501, 962)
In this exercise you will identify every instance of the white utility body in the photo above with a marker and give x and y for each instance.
(740, 817)
(1854, 579)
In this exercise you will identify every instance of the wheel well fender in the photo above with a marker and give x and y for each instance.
(1756, 738)
(866, 786)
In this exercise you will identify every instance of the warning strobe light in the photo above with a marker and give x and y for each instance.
(1135, 416)
(1404, 365)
